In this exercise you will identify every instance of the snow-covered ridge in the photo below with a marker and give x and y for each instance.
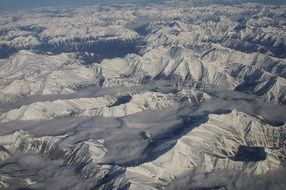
(135, 97)
(215, 145)
(28, 73)
(102, 106)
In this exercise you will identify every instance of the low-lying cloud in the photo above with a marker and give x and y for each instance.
(230, 179)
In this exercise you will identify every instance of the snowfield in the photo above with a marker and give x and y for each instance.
(172, 95)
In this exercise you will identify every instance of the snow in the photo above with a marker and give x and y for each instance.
(140, 97)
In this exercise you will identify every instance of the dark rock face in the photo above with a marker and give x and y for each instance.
(6, 51)
(250, 154)
(142, 30)
(104, 48)
(86, 50)
(122, 100)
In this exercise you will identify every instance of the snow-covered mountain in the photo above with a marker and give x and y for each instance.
(173, 95)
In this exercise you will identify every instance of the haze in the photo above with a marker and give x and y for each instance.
(18, 4)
